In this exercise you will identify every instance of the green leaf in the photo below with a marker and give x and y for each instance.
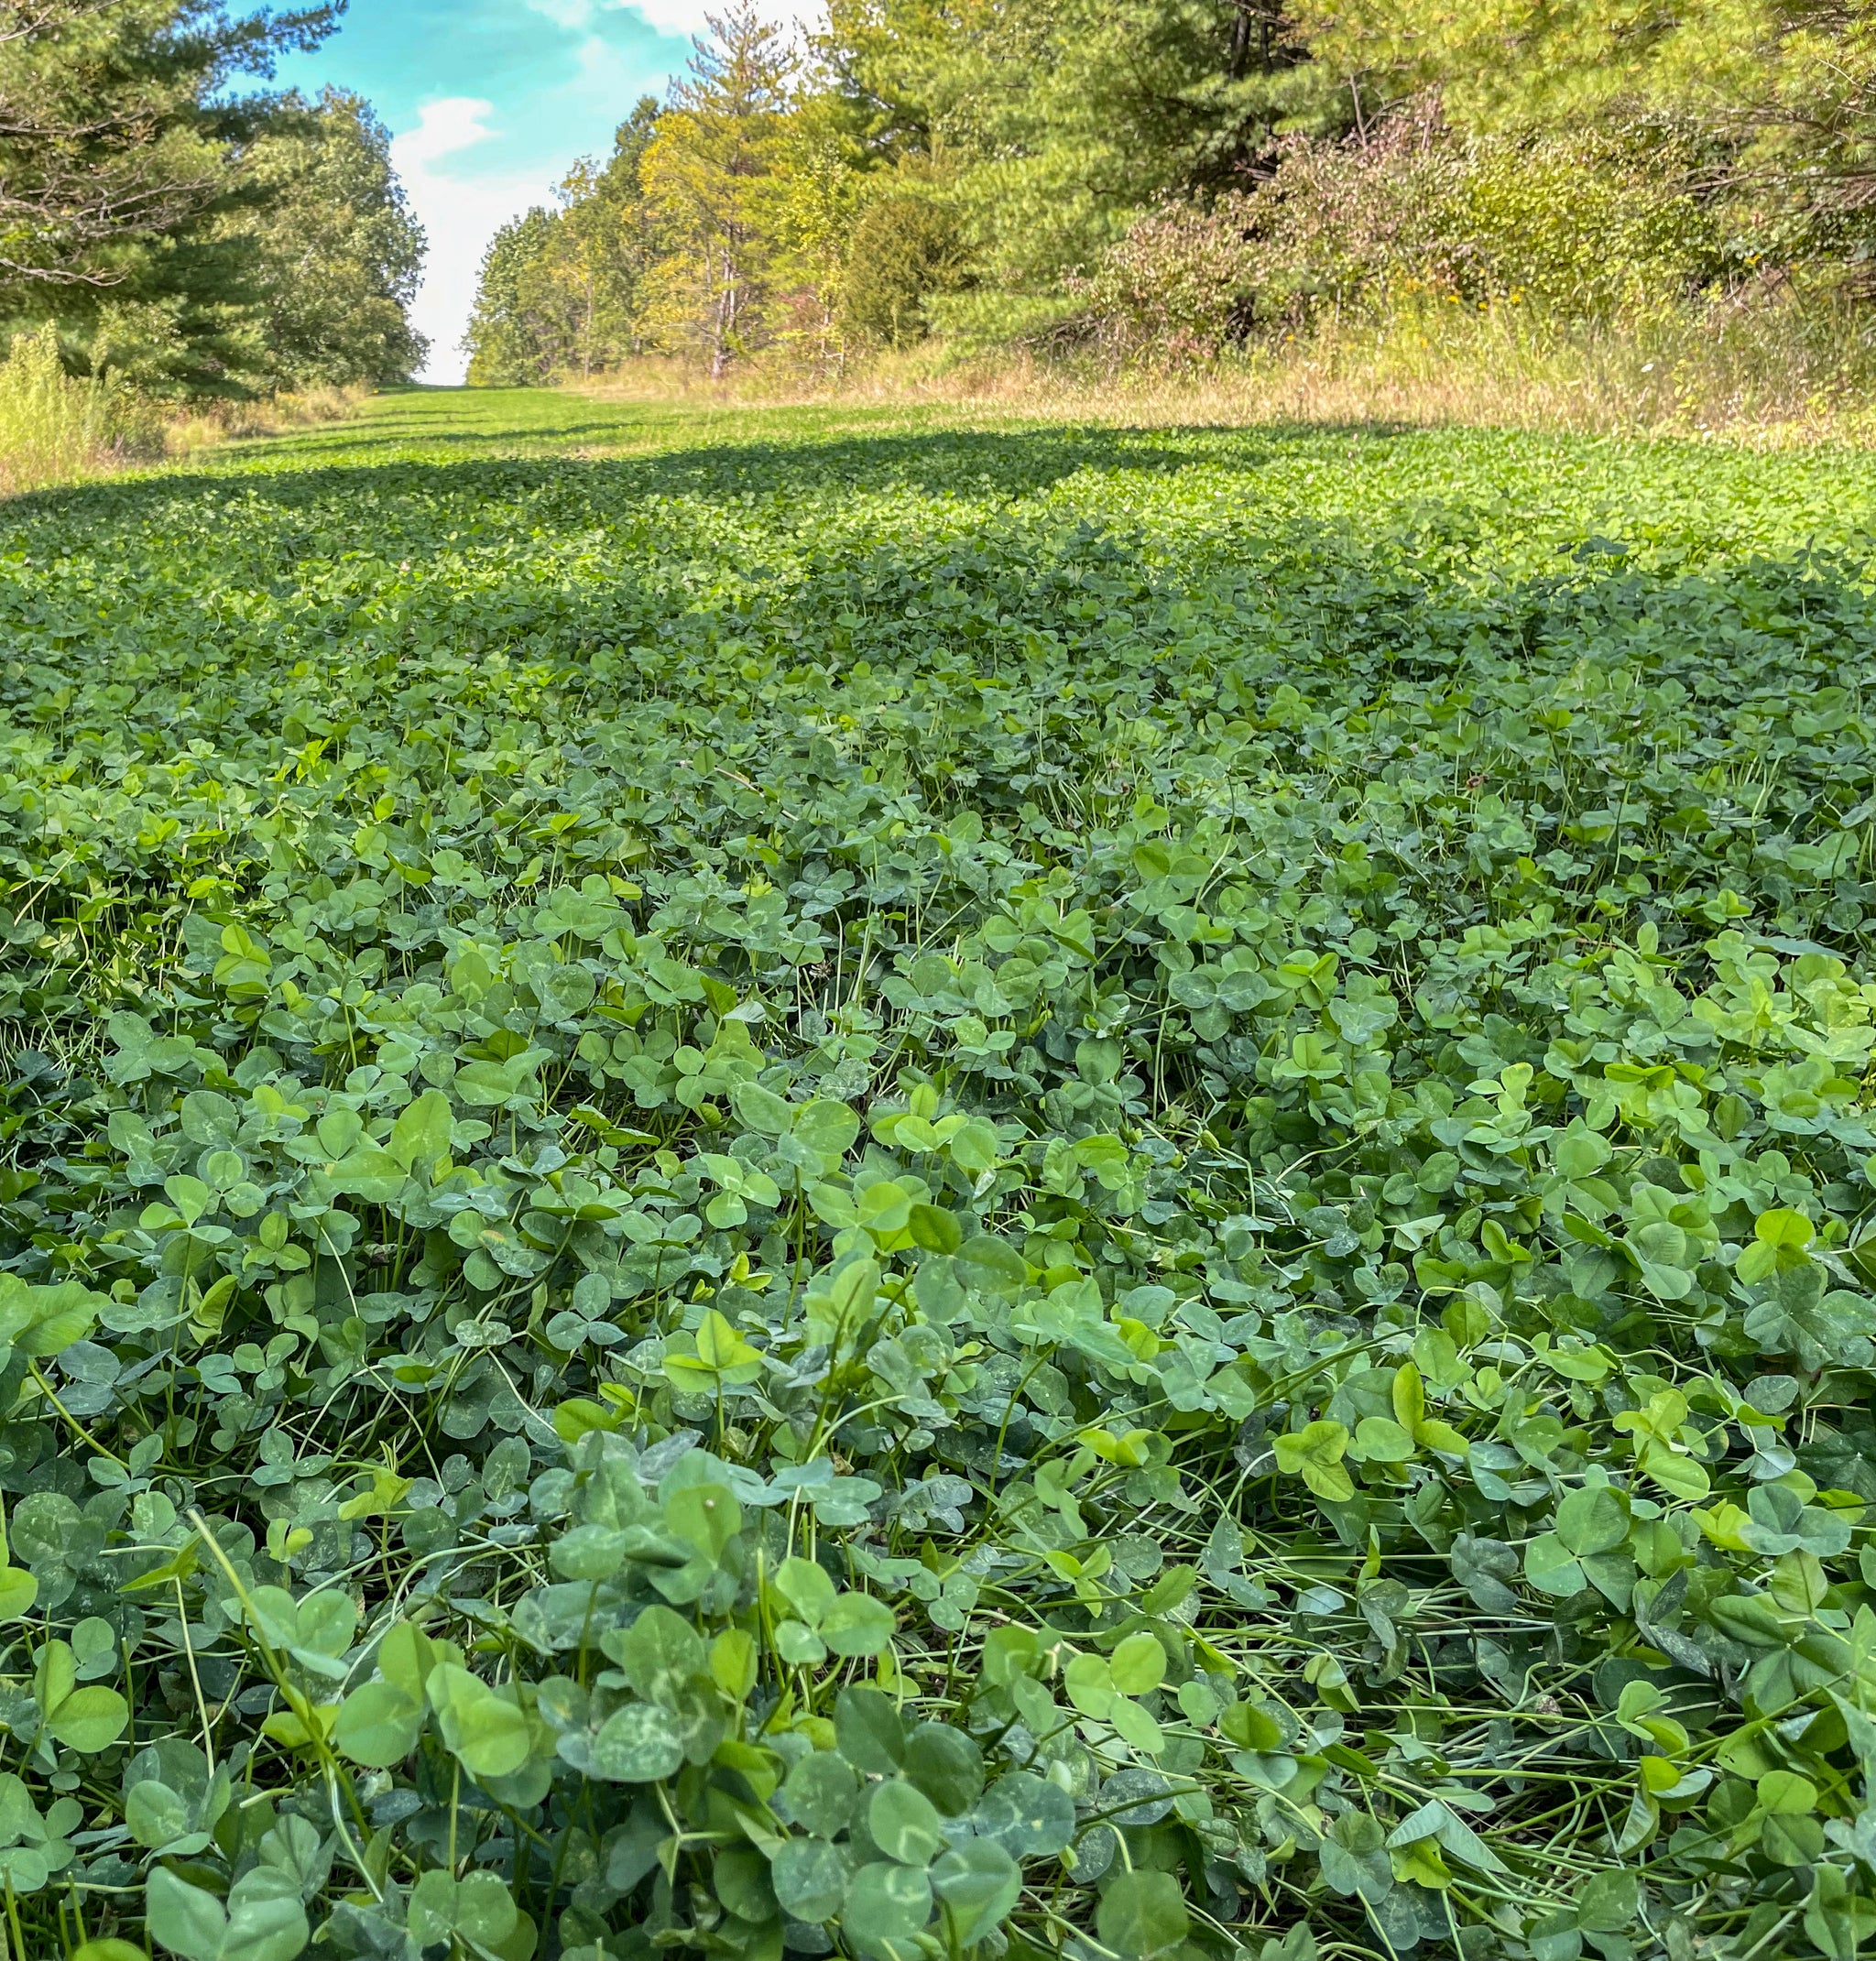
(1608, 1903)
(638, 1745)
(45, 1320)
(705, 1515)
(379, 1724)
(946, 1765)
(977, 1884)
(820, 1790)
(1551, 1568)
(806, 1586)
(761, 1109)
(809, 1879)
(935, 1229)
(484, 1730)
(479, 1908)
(974, 1147)
(1135, 1728)
(1353, 1861)
(19, 1590)
(1028, 1815)
(1579, 1151)
(264, 1919)
(839, 1304)
(868, 1731)
(422, 1133)
(294, 1849)
(1377, 1441)
(88, 1720)
(1138, 1664)
(1592, 1520)
(904, 1824)
(1679, 1477)
(659, 1653)
(157, 1816)
(185, 1918)
(827, 1129)
(1784, 1228)
(1786, 1790)
(1315, 1453)
(993, 1264)
(856, 1625)
(1090, 1684)
(1836, 1922)
(1142, 1913)
(886, 1904)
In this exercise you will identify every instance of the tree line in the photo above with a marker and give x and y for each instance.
(1001, 170)
(184, 225)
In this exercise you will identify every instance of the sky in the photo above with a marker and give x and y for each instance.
(488, 102)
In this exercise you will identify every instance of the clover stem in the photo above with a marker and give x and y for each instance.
(51, 1396)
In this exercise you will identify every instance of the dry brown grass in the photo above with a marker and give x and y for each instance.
(1753, 369)
(216, 422)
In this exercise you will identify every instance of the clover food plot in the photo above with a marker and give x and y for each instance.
(1076, 1192)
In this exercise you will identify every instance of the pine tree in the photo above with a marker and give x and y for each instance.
(118, 129)
(1781, 94)
(709, 176)
(1053, 121)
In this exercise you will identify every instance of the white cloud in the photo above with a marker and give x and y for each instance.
(456, 122)
(675, 16)
(461, 209)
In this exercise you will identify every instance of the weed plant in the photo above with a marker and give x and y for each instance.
(961, 1194)
(56, 428)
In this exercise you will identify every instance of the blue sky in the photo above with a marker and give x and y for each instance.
(489, 101)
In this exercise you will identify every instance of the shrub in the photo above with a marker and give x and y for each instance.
(1577, 227)
(905, 249)
(1177, 287)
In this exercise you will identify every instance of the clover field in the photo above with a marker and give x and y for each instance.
(778, 1186)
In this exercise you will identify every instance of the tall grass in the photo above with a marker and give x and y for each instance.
(1757, 367)
(1754, 366)
(55, 428)
(210, 423)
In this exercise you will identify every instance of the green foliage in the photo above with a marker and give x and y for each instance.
(565, 291)
(508, 347)
(1055, 124)
(1166, 175)
(940, 1195)
(119, 130)
(1776, 94)
(191, 238)
(339, 252)
(712, 175)
(948, 167)
(905, 249)
(1577, 229)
